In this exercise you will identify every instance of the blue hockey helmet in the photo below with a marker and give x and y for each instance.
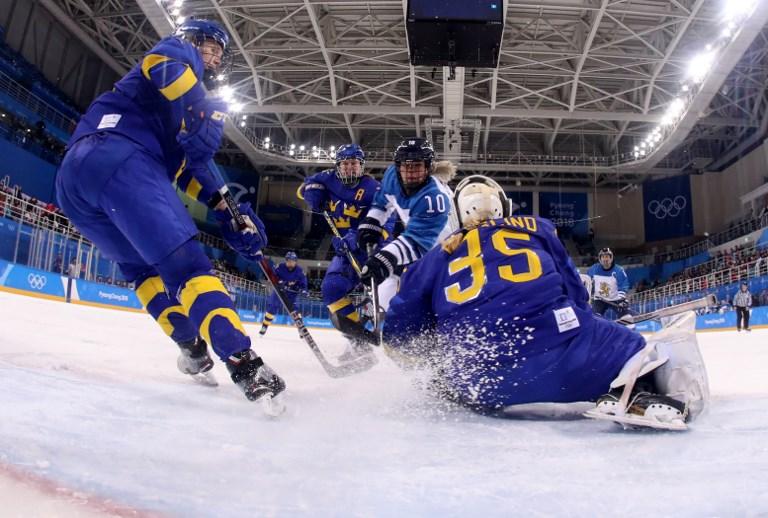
(291, 256)
(407, 156)
(198, 32)
(349, 175)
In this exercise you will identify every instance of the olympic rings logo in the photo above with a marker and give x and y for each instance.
(668, 207)
(36, 282)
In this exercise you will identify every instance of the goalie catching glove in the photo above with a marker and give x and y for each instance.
(247, 241)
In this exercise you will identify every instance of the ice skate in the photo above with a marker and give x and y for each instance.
(645, 410)
(257, 381)
(195, 361)
(263, 330)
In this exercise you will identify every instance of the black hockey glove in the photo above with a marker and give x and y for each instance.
(369, 232)
(378, 267)
(622, 304)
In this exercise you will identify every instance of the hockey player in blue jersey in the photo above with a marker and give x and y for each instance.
(157, 126)
(292, 282)
(424, 206)
(346, 192)
(609, 285)
(500, 316)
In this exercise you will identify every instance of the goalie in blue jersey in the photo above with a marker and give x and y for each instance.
(499, 314)
(156, 127)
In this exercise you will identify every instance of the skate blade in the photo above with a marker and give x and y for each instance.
(206, 379)
(630, 421)
(273, 406)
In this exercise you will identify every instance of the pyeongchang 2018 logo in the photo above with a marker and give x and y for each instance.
(36, 281)
(667, 207)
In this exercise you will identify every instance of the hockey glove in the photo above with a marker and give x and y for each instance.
(314, 198)
(349, 241)
(249, 241)
(203, 128)
(622, 304)
(369, 232)
(379, 267)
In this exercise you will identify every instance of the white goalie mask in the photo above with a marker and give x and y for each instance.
(479, 198)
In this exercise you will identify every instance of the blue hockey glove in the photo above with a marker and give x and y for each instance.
(315, 199)
(349, 241)
(369, 232)
(249, 241)
(379, 267)
(203, 129)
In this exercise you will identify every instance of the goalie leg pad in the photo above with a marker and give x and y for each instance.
(684, 375)
(672, 356)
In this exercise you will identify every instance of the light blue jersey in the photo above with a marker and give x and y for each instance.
(428, 215)
(611, 284)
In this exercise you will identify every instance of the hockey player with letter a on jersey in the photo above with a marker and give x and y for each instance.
(499, 314)
(345, 193)
(157, 126)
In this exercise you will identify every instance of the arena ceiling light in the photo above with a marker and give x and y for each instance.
(738, 10)
(735, 13)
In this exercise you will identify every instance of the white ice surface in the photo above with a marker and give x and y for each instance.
(90, 401)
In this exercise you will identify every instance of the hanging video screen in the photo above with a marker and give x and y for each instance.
(456, 10)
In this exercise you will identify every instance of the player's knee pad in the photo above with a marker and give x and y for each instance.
(166, 310)
(343, 308)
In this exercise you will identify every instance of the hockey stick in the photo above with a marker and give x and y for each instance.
(360, 364)
(355, 366)
(703, 302)
(377, 327)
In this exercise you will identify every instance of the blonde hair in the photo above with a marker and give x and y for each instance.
(444, 170)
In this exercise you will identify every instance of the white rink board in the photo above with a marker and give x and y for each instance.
(94, 411)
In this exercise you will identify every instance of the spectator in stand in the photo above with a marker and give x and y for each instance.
(742, 301)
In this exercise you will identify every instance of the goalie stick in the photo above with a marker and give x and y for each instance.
(703, 302)
(360, 364)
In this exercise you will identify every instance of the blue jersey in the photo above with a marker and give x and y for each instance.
(292, 280)
(428, 215)
(504, 311)
(147, 107)
(611, 284)
(347, 205)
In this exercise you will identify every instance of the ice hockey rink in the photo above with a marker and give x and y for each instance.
(96, 421)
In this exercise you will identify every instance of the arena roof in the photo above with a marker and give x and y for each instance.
(580, 83)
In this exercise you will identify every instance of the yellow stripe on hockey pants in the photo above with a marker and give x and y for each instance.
(209, 306)
(168, 313)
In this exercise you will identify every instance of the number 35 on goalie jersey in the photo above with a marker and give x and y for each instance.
(506, 268)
